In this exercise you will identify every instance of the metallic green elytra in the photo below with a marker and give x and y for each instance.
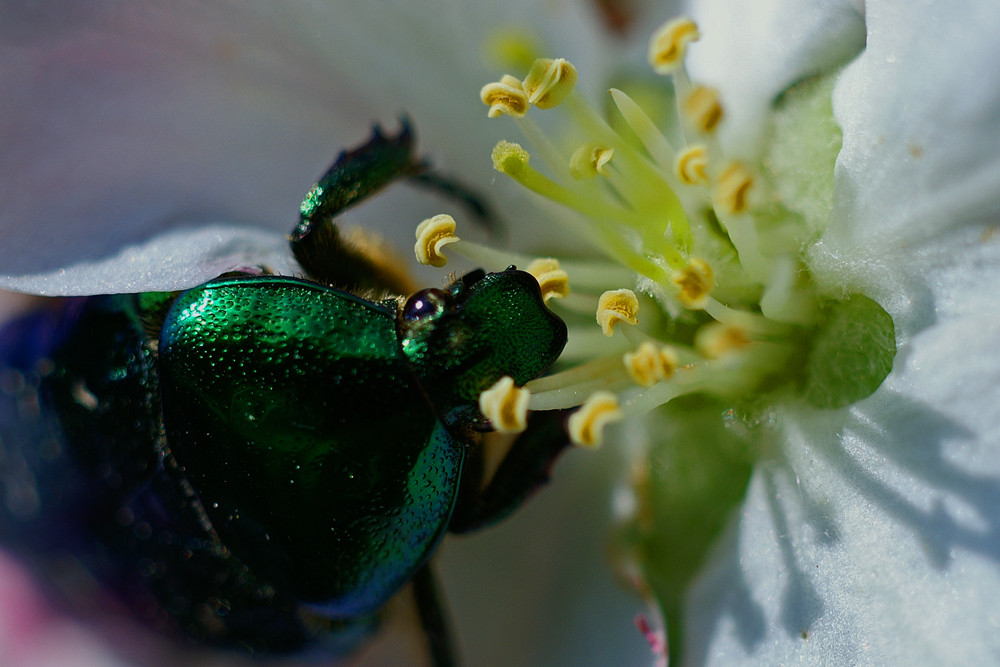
(264, 461)
(305, 434)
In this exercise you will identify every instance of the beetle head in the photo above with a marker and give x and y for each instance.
(484, 326)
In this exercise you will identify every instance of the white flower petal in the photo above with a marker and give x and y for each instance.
(754, 51)
(919, 174)
(182, 257)
(878, 541)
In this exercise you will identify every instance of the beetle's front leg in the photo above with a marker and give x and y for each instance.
(524, 468)
(353, 260)
(324, 252)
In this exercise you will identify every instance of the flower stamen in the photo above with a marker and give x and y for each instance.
(732, 193)
(505, 96)
(506, 406)
(433, 234)
(691, 164)
(549, 82)
(703, 109)
(695, 281)
(668, 46)
(717, 340)
(586, 425)
(511, 159)
(553, 281)
(649, 364)
(616, 306)
(590, 160)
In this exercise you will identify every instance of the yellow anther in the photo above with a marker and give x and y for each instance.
(553, 281)
(506, 406)
(717, 340)
(505, 96)
(509, 158)
(433, 234)
(669, 44)
(695, 281)
(549, 82)
(590, 160)
(616, 306)
(690, 165)
(703, 109)
(732, 192)
(586, 425)
(649, 364)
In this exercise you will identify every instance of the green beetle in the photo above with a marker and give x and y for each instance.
(264, 461)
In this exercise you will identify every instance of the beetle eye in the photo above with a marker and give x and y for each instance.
(425, 303)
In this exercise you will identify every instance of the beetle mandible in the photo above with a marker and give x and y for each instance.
(263, 461)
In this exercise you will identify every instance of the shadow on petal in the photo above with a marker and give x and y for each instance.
(862, 510)
(723, 581)
(961, 510)
(802, 604)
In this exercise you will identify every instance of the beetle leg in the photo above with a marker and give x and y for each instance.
(327, 255)
(523, 469)
(355, 260)
(432, 618)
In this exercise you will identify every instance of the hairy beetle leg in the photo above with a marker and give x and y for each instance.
(324, 253)
(355, 260)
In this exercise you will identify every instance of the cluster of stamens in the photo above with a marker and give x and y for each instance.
(673, 224)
